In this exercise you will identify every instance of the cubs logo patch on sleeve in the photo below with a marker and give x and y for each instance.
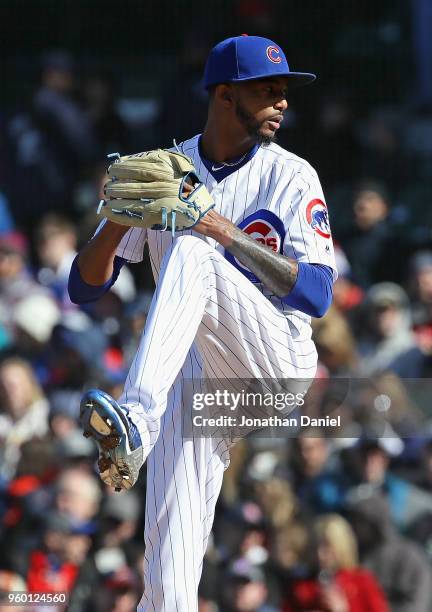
(317, 217)
(264, 227)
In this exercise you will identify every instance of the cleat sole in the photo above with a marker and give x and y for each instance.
(103, 422)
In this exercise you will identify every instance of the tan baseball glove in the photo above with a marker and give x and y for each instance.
(155, 189)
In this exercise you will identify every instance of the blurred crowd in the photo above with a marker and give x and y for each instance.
(332, 524)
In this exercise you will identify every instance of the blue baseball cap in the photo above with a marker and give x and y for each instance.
(244, 58)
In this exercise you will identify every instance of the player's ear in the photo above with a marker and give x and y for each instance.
(223, 94)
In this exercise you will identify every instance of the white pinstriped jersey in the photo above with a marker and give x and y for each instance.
(276, 197)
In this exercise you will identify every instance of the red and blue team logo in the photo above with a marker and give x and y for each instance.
(317, 217)
(264, 227)
(273, 53)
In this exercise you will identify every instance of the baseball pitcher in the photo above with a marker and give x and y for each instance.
(242, 255)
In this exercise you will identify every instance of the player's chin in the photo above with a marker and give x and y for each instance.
(266, 136)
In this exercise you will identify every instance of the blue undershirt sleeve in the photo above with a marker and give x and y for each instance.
(313, 290)
(82, 293)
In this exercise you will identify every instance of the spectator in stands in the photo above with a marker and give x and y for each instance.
(52, 146)
(319, 486)
(277, 500)
(64, 412)
(68, 137)
(386, 328)
(386, 408)
(406, 501)
(341, 585)
(135, 318)
(365, 241)
(55, 566)
(25, 502)
(293, 554)
(119, 519)
(346, 294)
(98, 92)
(112, 562)
(56, 247)
(16, 281)
(417, 362)
(34, 319)
(420, 281)
(28, 312)
(25, 411)
(245, 589)
(75, 451)
(78, 495)
(121, 591)
(401, 567)
(336, 345)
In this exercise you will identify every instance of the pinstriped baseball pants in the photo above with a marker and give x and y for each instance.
(206, 319)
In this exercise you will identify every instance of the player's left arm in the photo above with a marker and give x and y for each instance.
(305, 287)
(276, 271)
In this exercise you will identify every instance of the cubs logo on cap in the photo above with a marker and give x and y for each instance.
(244, 58)
(317, 217)
(264, 227)
(273, 53)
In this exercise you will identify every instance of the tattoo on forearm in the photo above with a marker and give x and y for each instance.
(277, 272)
